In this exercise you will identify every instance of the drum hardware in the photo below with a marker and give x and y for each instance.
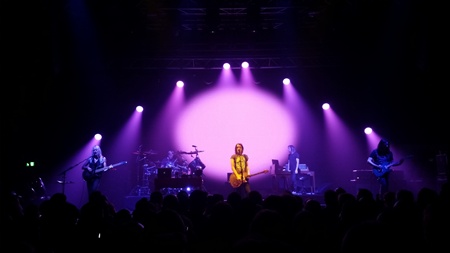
(149, 169)
(146, 169)
(191, 152)
(144, 153)
(62, 182)
(197, 166)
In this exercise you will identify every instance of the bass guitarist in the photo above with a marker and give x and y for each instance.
(382, 159)
(240, 169)
(92, 178)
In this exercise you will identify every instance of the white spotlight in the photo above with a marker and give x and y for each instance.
(286, 81)
(326, 106)
(180, 84)
(244, 65)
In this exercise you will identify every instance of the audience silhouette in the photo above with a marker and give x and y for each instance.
(203, 222)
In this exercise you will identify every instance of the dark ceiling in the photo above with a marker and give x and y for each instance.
(161, 34)
(201, 34)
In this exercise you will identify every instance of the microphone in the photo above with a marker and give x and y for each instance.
(194, 146)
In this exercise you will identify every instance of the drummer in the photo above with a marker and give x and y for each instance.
(174, 162)
(170, 160)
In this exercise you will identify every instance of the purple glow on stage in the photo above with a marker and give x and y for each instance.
(216, 120)
(372, 140)
(342, 146)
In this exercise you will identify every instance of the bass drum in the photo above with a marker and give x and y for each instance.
(196, 167)
(150, 169)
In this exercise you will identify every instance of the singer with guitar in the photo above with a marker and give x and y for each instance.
(382, 159)
(241, 170)
(97, 160)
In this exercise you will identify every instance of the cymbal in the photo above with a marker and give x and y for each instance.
(192, 152)
(150, 152)
(64, 182)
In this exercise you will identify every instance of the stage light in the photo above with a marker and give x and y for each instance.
(226, 66)
(180, 84)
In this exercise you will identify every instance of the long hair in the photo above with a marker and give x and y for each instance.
(99, 154)
(383, 147)
(235, 148)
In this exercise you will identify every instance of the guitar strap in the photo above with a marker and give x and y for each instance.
(242, 168)
(235, 165)
(98, 164)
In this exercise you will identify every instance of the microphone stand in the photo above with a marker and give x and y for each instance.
(63, 182)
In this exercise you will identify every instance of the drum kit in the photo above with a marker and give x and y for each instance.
(148, 167)
(196, 166)
(179, 168)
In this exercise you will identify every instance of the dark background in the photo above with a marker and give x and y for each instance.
(74, 68)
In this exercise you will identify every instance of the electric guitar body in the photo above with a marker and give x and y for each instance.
(235, 183)
(380, 172)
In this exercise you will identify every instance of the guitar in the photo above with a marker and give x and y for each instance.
(380, 172)
(88, 175)
(235, 183)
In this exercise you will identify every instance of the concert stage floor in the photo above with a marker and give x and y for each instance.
(130, 201)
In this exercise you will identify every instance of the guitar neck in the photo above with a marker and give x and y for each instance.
(261, 172)
(110, 167)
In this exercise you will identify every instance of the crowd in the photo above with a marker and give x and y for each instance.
(204, 222)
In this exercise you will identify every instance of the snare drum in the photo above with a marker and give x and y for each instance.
(184, 170)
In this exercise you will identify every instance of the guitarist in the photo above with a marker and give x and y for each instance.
(241, 170)
(382, 159)
(97, 160)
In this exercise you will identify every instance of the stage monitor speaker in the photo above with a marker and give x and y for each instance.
(228, 176)
(164, 173)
